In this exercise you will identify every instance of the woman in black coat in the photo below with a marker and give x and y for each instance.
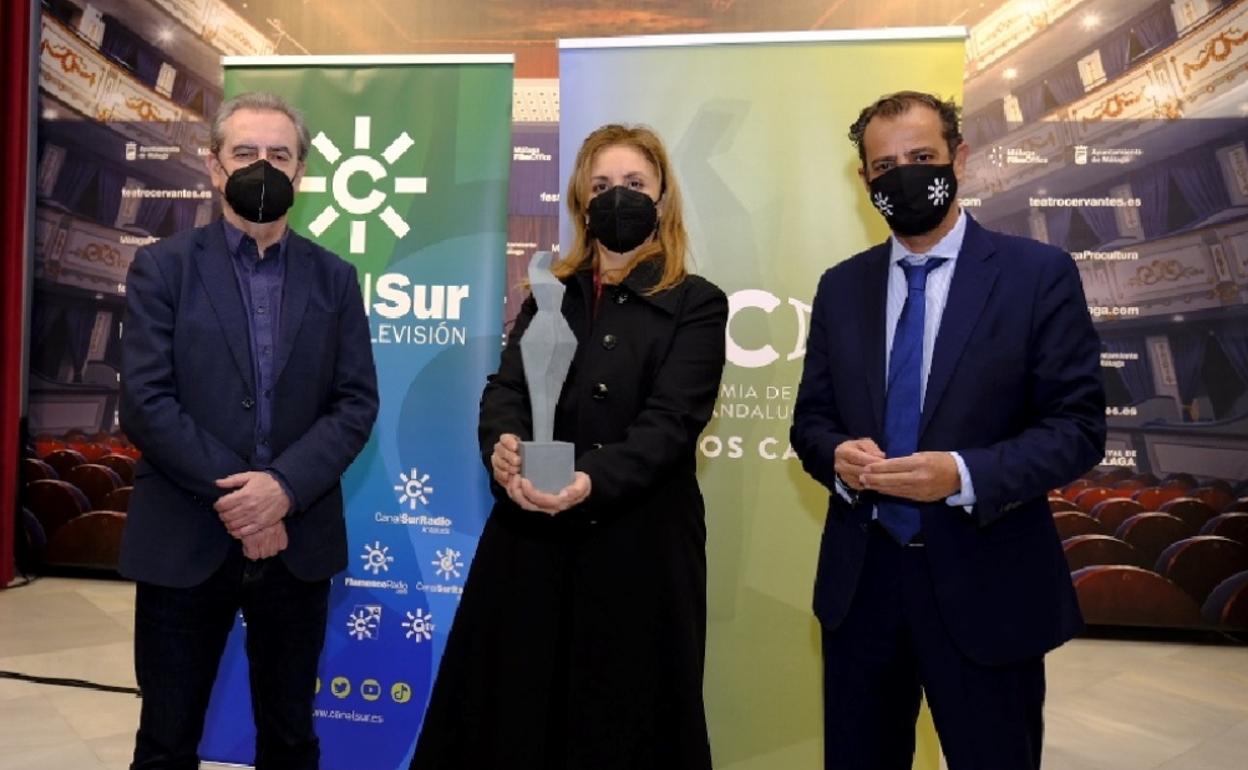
(580, 638)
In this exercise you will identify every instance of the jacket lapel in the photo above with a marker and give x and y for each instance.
(216, 273)
(642, 279)
(975, 274)
(296, 286)
(875, 306)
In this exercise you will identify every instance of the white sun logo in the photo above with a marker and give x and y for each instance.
(413, 489)
(364, 622)
(881, 202)
(448, 563)
(361, 164)
(419, 626)
(938, 191)
(377, 558)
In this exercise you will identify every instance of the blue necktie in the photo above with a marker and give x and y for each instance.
(902, 402)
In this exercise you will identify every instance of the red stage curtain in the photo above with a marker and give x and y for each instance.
(15, 75)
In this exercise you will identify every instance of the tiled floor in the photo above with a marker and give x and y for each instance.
(73, 629)
(1113, 705)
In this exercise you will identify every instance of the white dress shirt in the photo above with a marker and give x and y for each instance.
(937, 294)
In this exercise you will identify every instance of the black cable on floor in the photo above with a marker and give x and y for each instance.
(63, 682)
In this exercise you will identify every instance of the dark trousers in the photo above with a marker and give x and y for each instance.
(891, 649)
(179, 636)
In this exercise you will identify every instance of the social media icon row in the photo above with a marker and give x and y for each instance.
(369, 689)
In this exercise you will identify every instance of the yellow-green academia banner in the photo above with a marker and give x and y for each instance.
(757, 125)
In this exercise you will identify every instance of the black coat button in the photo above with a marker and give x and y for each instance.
(608, 341)
(599, 391)
(248, 402)
(595, 446)
(621, 298)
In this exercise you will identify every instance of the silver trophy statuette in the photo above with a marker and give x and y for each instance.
(546, 349)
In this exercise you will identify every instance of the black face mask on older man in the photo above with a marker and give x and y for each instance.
(260, 192)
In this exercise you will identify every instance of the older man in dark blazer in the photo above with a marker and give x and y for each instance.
(248, 384)
(951, 379)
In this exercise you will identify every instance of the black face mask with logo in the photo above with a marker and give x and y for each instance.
(622, 219)
(259, 192)
(914, 198)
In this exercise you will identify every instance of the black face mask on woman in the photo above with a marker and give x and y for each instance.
(259, 192)
(914, 198)
(622, 219)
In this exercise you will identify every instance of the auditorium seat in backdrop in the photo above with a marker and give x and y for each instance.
(1197, 564)
(54, 502)
(92, 541)
(1059, 504)
(1190, 509)
(1074, 523)
(1072, 490)
(46, 444)
(64, 459)
(1120, 595)
(1221, 484)
(117, 500)
(95, 481)
(1239, 506)
(86, 445)
(1180, 481)
(121, 465)
(1153, 532)
(34, 470)
(91, 450)
(1112, 476)
(1216, 496)
(74, 439)
(1090, 497)
(1112, 513)
(1227, 605)
(1091, 550)
(1233, 526)
(31, 539)
(1130, 485)
(1152, 498)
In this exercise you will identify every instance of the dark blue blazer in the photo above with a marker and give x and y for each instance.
(1014, 387)
(188, 392)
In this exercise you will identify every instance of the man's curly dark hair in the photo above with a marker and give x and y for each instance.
(892, 105)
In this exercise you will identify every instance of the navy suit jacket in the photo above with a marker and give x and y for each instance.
(188, 392)
(1014, 387)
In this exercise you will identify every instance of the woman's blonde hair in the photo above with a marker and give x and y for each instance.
(672, 244)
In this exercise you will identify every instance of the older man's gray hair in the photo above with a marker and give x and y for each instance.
(258, 100)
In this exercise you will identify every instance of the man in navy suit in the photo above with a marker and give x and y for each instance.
(951, 379)
(248, 385)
